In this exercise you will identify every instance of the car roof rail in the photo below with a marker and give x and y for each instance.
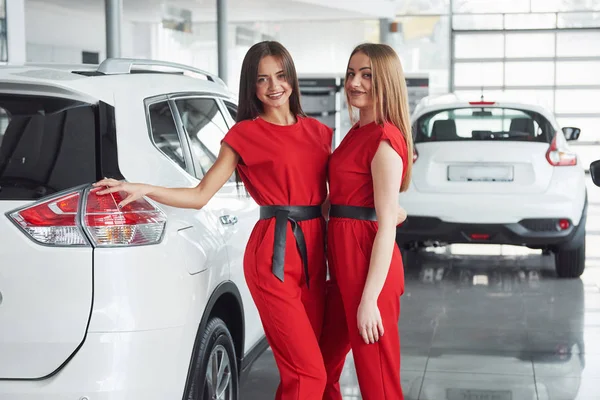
(115, 66)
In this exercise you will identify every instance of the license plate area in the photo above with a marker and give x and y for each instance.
(468, 394)
(480, 173)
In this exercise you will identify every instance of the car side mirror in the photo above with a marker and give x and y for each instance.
(571, 133)
(595, 172)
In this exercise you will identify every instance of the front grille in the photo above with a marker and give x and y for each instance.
(540, 225)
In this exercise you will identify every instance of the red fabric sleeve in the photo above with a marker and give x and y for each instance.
(395, 138)
(236, 138)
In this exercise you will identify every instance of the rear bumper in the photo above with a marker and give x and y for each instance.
(150, 365)
(495, 218)
(564, 198)
(532, 232)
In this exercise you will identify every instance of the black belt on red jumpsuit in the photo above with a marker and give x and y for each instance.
(353, 212)
(283, 215)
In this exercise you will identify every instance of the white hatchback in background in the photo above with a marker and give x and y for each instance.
(97, 303)
(498, 173)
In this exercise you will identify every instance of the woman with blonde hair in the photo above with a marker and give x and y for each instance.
(366, 173)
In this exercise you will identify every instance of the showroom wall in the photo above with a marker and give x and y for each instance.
(12, 35)
(58, 34)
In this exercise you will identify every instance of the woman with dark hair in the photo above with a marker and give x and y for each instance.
(366, 172)
(281, 156)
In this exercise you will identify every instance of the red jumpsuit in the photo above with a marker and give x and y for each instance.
(349, 246)
(287, 165)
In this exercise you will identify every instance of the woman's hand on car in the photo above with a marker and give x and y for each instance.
(135, 191)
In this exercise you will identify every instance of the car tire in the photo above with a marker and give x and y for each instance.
(217, 371)
(412, 256)
(570, 263)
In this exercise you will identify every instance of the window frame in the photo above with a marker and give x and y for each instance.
(189, 165)
(218, 99)
(170, 98)
(233, 181)
(231, 121)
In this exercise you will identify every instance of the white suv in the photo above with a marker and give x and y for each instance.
(147, 302)
(495, 172)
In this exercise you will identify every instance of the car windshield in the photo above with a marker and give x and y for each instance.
(482, 123)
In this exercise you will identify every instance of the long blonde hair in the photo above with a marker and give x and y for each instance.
(389, 94)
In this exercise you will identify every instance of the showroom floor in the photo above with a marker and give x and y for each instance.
(476, 325)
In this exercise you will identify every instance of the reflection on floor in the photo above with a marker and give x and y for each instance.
(489, 323)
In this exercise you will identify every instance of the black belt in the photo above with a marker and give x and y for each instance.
(361, 213)
(282, 215)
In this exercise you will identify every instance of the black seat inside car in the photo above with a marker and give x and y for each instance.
(444, 129)
(522, 125)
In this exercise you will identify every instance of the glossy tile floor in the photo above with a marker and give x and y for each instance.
(490, 323)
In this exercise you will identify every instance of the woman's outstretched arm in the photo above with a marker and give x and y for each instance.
(195, 197)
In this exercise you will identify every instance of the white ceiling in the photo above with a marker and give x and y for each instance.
(244, 10)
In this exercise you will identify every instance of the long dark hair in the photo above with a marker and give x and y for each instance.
(249, 106)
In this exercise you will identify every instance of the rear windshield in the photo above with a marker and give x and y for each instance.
(46, 145)
(482, 123)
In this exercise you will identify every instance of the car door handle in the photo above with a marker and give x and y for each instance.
(228, 219)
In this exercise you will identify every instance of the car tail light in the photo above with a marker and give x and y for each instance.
(558, 155)
(564, 224)
(82, 217)
(137, 223)
(482, 103)
(53, 221)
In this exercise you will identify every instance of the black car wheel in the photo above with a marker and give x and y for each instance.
(570, 263)
(218, 374)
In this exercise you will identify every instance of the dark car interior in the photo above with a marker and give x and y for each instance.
(42, 138)
(469, 124)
